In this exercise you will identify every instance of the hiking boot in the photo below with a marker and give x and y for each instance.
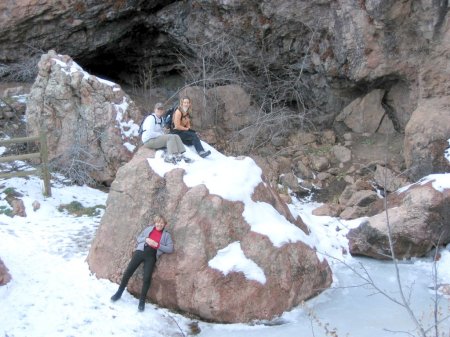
(170, 159)
(141, 305)
(204, 154)
(181, 157)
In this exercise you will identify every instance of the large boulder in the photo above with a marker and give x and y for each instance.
(206, 228)
(419, 220)
(91, 124)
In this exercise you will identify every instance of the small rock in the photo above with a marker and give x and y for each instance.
(5, 277)
(349, 179)
(342, 153)
(36, 205)
(290, 181)
(18, 207)
(320, 163)
(303, 171)
(327, 210)
(323, 176)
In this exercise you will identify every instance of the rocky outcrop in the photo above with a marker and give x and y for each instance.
(205, 226)
(91, 124)
(419, 220)
(5, 277)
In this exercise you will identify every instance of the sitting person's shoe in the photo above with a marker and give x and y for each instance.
(204, 154)
(183, 157)
(168, 158)
(178, 157)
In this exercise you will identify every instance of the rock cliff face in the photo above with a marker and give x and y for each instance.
(202, 224)
(338, 45)
(338, 51)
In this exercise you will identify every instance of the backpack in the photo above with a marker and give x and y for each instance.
(167, 117)
(141, 130)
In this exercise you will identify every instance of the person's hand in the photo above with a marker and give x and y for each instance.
(151, 243)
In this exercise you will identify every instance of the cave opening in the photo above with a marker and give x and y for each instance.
(140, 55)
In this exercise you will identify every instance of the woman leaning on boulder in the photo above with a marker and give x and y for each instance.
(151, 243)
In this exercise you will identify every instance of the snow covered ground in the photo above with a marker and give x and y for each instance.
(53, 293)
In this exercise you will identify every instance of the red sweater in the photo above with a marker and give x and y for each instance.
(155, 235)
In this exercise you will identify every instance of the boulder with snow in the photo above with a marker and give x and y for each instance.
(91, 123)
(419, 218)
(239, 254)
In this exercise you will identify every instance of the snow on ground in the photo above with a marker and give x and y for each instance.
(53, 293)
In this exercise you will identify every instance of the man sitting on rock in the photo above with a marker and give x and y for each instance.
(154, 137)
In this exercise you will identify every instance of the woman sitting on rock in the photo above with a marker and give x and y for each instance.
(151, 243)
(181, 126)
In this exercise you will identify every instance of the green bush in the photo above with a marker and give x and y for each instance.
(7, 211)
(77, 209)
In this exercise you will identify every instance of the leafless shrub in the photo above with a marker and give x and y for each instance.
(25, 70)
(281, 97)
(144, 82)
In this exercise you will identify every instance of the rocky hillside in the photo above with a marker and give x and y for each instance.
(342, 48)
(266, 71)
(323, 55)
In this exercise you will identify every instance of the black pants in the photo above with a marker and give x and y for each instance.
(148, 256)
(190, 137)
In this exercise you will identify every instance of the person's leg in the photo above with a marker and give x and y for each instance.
(135, 261)
(184, 136)
(149, 263)
(174, 144)
(198, 145)
(156, 143)
(191, 138)
(179, 148)
(161, 142)
(196, 141)
(178, 144)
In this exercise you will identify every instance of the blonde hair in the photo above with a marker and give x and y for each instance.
(160, 218)
(181, 103)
